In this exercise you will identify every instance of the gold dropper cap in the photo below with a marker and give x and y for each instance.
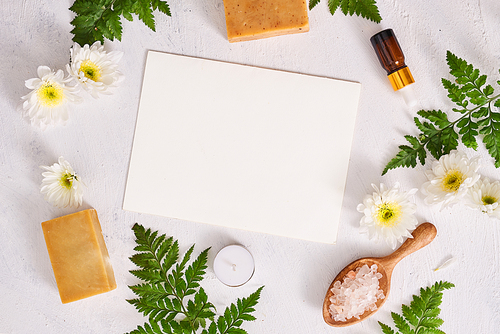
(401, 78)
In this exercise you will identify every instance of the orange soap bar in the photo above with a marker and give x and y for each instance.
(253, 19)
(78, 255)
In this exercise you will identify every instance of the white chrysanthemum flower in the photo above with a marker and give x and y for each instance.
(485, 196)
(47, 103)
(61, 186)
(95, 69)
(388, 214)
(450, 178)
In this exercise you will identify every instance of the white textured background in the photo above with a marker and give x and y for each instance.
(97, 141)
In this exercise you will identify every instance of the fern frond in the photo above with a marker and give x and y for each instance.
(196, 271)
(439, 136)
(386, 329)
(421, 316)
(365, 8)
(99, 19)
(236, 313)
(167, 283)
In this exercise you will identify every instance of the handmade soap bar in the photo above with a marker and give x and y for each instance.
(78, 255)
(252, 19)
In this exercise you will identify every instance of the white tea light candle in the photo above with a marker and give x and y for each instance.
(234, 265)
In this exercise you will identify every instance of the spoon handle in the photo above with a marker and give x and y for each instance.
(422, 236)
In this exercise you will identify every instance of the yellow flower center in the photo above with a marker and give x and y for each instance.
(388, 214)
(452, 181)
(91, 70)
(50, 94)
(66, 181)
(489, 200)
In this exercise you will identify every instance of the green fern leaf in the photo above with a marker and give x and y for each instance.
(488, 90)
(415, 143)
(440, 136)
(196, 271)
(480, 81)
(345, 5)
(140, 330)
(333, 5)
(163, 246)
(455, 93)
(107, 22)
(431, 313)
(436, 116)
(212, 329)
(186, 258)
(171, 257)
(152, 291)
(234, 314)
(162, 6)
(365, 8)
(481, 112)
(497, 104)
(84, 30)
(458, 67)
(421, 316)
(468, 130)
(401, 323)
(221, 324)
(428, 129)
(176, 327)
(152, 276)
(166, 327)
(123, 8)
(418, 305)
(449, 138)
(431, 322)
(313, 4)
(406, 157)
(162, 298)
(491, 132)
(386, 329)
(409, 315)
(145, 13)
(86, 7)
(432, 331)
(145, 260)
(99, 19)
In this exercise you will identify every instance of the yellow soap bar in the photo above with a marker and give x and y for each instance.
(78, 255)
(253, 19)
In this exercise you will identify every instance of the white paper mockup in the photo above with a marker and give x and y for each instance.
(242, 147)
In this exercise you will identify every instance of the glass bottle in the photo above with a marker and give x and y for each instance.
(392, 59)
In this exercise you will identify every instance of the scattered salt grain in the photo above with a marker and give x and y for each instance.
(358, 293)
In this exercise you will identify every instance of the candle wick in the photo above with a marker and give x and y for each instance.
(234, 267)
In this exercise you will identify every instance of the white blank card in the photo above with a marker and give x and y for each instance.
(242, 147)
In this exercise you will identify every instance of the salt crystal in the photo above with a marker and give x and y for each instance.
(358, 293)
(363, 271)
(351, 274)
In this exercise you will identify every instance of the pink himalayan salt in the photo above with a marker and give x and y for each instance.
(358, 293)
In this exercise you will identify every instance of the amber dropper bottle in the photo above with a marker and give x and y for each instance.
(392, 59)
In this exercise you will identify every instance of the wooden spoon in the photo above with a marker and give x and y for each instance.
(422, 236)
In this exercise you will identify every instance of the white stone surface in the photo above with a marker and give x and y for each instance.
(97, 141)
